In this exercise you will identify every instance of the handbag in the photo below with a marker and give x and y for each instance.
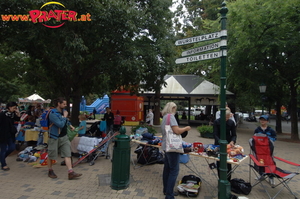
(239, 186)
(173, 141)
(184, 134)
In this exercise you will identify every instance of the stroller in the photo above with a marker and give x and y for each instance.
(99, 149)
(94, 130)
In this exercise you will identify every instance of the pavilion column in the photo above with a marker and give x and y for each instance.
(156, 120)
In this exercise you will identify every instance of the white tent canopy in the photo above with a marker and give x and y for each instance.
(34, 98)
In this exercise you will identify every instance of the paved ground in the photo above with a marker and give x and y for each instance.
(25, 182)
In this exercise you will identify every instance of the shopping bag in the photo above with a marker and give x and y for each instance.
(173, 141)
(71, 134)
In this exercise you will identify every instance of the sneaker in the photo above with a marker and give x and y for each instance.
(51, 174)
(260, 178)
(271, 181)
(73, 175)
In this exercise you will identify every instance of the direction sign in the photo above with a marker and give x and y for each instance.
(206, 37)
(201, 57)
(190, 40)
(201, 49)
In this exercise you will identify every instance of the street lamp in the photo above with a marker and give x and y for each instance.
(262, 90)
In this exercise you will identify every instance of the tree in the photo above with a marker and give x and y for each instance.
(123, 41)
(193, 18)
(12, 70)
(263, 39)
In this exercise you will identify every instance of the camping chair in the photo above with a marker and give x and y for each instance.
(264, 167)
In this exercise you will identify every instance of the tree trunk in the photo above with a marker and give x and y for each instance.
(75, 110)
(293, 113)
(68, 104)
(278, 127)
(157, 108)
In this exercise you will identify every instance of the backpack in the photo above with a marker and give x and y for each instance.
(189, 186)
(45, 118)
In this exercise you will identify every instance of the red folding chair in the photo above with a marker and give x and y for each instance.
(264, 167)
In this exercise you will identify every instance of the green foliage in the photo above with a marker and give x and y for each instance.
(263, 42)
(150, 128)
(12, 70)
(200, 18)
(205, 131)
(125, 43)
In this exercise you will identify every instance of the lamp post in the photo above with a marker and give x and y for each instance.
(262, 90)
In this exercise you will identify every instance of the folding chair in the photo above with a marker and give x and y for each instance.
(264, 167)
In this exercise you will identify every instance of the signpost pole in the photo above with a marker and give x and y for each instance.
(223, 184)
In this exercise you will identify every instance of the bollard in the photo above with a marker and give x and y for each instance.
(120, 174)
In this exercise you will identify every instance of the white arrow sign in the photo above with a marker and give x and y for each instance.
(206, 37)
(201, 57)
(202, 49)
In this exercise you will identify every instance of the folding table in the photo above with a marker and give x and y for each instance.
(209, 160)
(144, 143)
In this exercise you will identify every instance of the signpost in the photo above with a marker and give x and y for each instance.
(223, 184)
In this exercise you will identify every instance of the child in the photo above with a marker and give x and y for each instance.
(265, 129)
(103, 127)
(30, 123)
(82, 125)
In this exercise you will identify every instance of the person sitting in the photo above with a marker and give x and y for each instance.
(267, 130)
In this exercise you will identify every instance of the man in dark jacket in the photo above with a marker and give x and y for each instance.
(109, 117)
(8, 131)
(230, 137)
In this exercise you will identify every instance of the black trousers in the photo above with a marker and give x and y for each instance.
(229, 170)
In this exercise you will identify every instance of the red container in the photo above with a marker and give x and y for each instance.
(198, 147)
(130, 106)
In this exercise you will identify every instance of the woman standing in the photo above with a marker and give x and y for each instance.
(8, 131)
(171, 163)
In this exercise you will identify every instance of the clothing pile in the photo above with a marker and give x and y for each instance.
(35, 156)
(151, 139)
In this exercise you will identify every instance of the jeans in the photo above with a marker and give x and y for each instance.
(6, 149)
(170, 173)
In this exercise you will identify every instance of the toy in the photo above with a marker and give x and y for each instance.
(234, 150)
